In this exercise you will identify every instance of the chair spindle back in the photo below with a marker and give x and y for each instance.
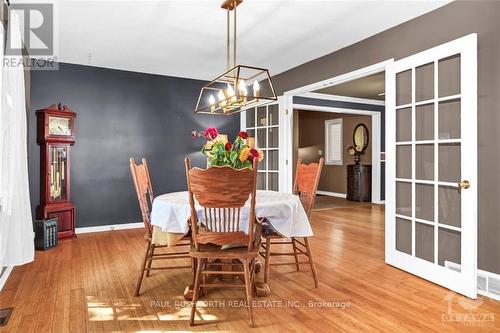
(222, 193)
(144, 190)
(306, 183)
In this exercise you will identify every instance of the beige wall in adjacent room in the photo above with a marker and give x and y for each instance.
(447, 23)
(311, 139)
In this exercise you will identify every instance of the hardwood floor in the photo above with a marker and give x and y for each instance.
(87, 284)
(329, 202)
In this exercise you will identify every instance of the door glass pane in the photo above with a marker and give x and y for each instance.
(261, 138)
(272, 181)
(403, 161)
(424, 82)
(273, 137)
(251, 133)
(449, 120)
(424, 202)
(403, 125)
(424, 241)
(261, 180)
(449, 76)
(273, 114)
(272, 159)
(424, 118)
(449, 162)
(449, 246)
(403, 198)
(250, 118)
(424, 164)
(450, 206)
(403, 88)
(262, 165)
(261, 116)
(403, 235)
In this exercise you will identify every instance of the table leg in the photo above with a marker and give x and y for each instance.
(261, 288)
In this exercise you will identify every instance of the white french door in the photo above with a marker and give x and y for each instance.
(262, 123)
(431, 165)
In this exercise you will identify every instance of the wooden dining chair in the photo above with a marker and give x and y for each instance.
(222, 193)
(144, 190)
(305, 186)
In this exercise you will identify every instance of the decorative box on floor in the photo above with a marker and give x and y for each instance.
(45, 234)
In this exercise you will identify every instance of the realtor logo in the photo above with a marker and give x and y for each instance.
(36, 22)
(463, 311)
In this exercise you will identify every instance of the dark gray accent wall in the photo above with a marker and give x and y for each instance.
(121, 115)
(449, 22)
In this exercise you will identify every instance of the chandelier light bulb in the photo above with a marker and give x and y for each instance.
(242, 88)
(230, 93)
(256, 88)
(211, 101)
(222, 98)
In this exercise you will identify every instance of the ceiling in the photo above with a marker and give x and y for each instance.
(369, 87)
(187, 38)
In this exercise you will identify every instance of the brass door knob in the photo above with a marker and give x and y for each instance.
(464, 184)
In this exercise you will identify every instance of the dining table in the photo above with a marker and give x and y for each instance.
(171, 213)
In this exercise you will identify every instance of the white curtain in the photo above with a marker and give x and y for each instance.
(16, 228)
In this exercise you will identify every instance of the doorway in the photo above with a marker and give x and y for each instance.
(359, 93)
(326, 133)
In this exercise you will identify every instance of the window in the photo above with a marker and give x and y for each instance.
(333, 142)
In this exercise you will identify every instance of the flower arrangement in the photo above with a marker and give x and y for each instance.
(354, 152)
(238, 154)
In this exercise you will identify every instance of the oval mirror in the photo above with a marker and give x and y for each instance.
(361, 138)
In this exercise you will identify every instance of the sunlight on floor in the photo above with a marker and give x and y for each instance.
(119, 310)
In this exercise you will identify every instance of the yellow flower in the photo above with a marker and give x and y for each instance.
(244, 154)
(261, 155)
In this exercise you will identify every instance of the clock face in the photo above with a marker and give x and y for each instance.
(59, 126)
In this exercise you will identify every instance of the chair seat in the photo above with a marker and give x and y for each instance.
(215, 251)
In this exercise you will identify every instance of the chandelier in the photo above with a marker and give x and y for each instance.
(241, 87)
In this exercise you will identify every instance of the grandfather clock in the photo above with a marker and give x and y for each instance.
(56, 134)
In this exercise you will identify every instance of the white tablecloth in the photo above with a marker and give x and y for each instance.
(284, 211)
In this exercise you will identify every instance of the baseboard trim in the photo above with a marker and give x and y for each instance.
(484, 281)
(332, 194)
(109, 227)
(5, 276)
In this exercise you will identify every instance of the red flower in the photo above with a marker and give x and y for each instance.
(243, 135)
(254, 153)
(228, 145)
(210, 133)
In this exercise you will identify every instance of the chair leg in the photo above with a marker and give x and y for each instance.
(295, 254)
(249, 289)
(196, 290)
(204, 277)
(150, 261)
(193, 266)
(267, 259)
(139, 282)
(311, 261)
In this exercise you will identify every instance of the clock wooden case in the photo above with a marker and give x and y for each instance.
(56, 135)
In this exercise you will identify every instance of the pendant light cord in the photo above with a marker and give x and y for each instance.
(228, 42)
(228, 37)
(234, 51)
